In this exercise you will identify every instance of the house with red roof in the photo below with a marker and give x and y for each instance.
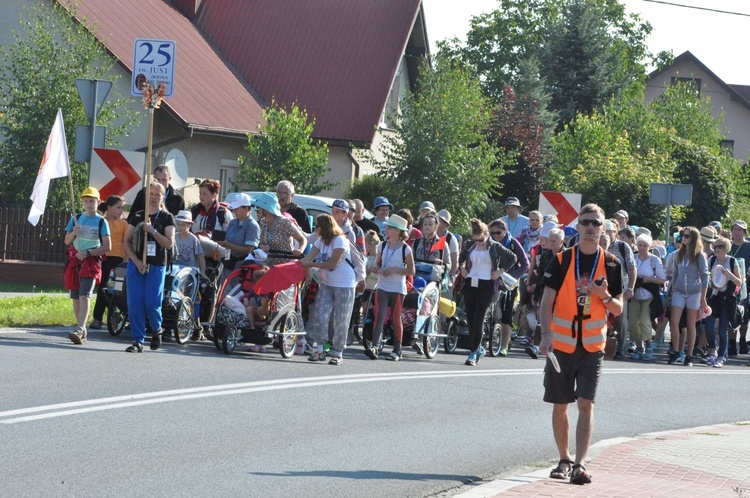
(345, 61)
(731, 103)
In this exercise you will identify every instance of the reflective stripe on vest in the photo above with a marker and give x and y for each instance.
(565, 318)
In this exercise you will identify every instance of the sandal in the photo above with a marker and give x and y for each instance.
(559, 472)
(579, 475)
(336, 360)
(317, 357)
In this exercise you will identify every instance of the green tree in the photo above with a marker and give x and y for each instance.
(285, 150)
(369, 187)
(440, 150)
(696, 150)
(37, 75)
(521, 29)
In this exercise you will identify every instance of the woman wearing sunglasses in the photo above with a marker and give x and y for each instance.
(504, 312)
(482, 262)
(689, 280)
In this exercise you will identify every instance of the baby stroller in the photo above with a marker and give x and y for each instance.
(419, 316)
(457, 329)
(181, 287)
(283, 324)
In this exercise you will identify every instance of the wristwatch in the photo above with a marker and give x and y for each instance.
(607, 300)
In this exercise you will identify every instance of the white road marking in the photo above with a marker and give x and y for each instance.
(126, 401)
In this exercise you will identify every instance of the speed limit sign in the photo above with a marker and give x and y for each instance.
(153, 61)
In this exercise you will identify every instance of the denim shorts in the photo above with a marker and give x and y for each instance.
(691, 302)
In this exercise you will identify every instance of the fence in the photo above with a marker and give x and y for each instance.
(20, 240)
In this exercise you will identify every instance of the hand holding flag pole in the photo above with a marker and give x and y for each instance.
(153, 95)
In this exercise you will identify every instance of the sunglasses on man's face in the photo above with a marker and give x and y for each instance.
(588, 223)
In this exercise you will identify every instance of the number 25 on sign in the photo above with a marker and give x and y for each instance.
(153, 61)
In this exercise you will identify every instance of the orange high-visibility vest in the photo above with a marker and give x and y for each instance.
(567, 324)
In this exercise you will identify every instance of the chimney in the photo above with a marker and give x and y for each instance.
(189, 8)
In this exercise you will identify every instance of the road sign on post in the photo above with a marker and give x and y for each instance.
(93, 94)
(84, 139)
(153, 61)
(564, 205)
(671, 194)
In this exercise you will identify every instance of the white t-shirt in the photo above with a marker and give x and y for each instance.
(481, 265)
(343, 274)
(649, 268)
(395, 282)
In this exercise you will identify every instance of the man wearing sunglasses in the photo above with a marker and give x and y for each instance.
(582, 286)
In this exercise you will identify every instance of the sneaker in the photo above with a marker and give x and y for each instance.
(197, 334)
(472, 359)
(336, 360)
(480, 353)
(681, 358)
(637, 355)
(532, 351)
(719, 362)
(710, 360)
(77, 336)
(155, 341)
(308, 348)
(632, 348)
(372, 353)
(525, 341)
(317, 356)
(95, 325)
(688, 361)
(327, 346)
(299, 349)
(394, 356)
(137, 347)
(649, 354)
(503, 352)
(673, 357)
(415, 343)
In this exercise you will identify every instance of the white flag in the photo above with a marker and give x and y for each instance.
(55, 164)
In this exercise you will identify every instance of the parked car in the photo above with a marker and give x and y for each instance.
(314, 204)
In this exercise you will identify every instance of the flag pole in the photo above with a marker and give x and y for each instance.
(146, 191)
(152, 98)
(72, 198)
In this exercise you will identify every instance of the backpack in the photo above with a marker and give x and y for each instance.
(403, 250)
(356, 261)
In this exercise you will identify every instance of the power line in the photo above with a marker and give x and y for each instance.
(699, 8)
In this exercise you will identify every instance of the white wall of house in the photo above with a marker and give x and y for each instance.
(736, 117)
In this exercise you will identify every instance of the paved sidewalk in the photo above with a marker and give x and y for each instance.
(711, 461)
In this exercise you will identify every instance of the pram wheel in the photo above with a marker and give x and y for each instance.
(450, 343)
(218, 336)
(496, 339)
(183, 321)
(289, 328)
(116, 320)
(431, 342)
(232, 335)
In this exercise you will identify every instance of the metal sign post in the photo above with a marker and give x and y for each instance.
(671, 194)
(93, 93)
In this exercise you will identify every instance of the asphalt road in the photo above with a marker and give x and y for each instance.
(188, 420)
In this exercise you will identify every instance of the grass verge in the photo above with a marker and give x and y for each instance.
(16, 287)
(37, 311)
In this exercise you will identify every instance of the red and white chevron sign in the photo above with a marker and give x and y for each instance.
(564, 205)
(117, 172)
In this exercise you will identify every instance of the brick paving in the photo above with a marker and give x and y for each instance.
(710, 461)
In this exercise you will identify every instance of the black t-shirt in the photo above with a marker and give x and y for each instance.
(553, 275)
(161, 221)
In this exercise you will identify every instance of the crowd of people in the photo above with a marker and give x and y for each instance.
(694, 286)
